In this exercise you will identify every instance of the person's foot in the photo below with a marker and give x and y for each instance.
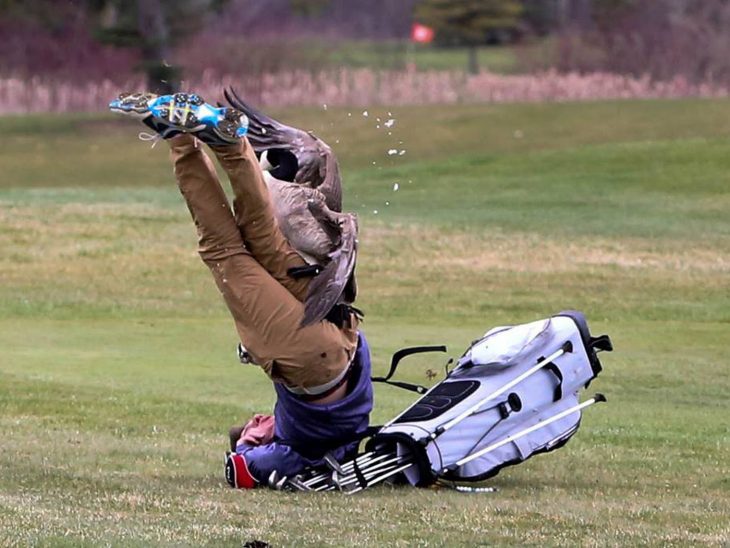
(170, 115)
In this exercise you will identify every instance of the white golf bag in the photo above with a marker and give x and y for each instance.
(513, 394)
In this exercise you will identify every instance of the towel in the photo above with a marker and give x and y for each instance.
(258, 431)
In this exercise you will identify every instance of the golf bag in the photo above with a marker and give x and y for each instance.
(513, 394)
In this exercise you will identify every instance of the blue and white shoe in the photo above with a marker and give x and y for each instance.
(170, 115)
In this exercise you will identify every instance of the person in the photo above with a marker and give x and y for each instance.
(321, 372)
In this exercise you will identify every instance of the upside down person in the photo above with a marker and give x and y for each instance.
(320, 367)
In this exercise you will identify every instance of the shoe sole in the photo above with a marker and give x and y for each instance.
(134, 104)
(189, 112)
(186, 112)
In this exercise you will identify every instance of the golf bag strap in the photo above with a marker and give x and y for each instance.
(307, 271)
(405, 385)
(341, 315)
(601, 343)
(397, 357)
(555, 370)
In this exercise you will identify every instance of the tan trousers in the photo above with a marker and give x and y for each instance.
(249, 258)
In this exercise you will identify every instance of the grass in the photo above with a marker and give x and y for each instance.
(117, 377)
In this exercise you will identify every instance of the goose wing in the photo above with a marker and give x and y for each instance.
(327, 288)
(317, 163)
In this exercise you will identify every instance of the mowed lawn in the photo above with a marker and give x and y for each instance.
(118, 377)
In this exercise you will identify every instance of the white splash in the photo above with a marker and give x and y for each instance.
(389, 123)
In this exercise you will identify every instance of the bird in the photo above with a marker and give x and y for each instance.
(303, 177)
(319, 234)
(317, 163)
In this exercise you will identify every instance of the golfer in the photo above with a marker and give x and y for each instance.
(321, 372)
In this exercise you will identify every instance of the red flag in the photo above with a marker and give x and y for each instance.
(421, 33)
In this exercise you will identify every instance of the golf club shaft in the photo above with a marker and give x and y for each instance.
(336, 483)
(367, 458)
(347, 480)
(381, 478)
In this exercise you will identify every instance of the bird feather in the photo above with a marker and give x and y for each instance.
(318, 166)
(326, 289)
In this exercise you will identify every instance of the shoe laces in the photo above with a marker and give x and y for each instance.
(154, 138)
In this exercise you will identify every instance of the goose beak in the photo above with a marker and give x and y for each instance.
(264, 161)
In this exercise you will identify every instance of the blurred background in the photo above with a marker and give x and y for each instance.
(71, 55)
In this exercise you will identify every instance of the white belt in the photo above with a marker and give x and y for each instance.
(322, 388)
(246, 358)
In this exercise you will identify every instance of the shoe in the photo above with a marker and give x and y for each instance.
(140, 106)
(170, 115)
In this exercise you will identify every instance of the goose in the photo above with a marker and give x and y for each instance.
(319, 234)
(316, 163)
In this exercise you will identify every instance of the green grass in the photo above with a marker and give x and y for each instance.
(117, 377)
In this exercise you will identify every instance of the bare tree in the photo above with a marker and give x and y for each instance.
(661, 38)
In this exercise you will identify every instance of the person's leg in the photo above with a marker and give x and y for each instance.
(222, 129)
(254, 214)
(267, 315)
(218, 235)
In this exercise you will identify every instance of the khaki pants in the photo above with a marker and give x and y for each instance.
(249, 258)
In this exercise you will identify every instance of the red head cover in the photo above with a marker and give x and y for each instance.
(237, 474)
